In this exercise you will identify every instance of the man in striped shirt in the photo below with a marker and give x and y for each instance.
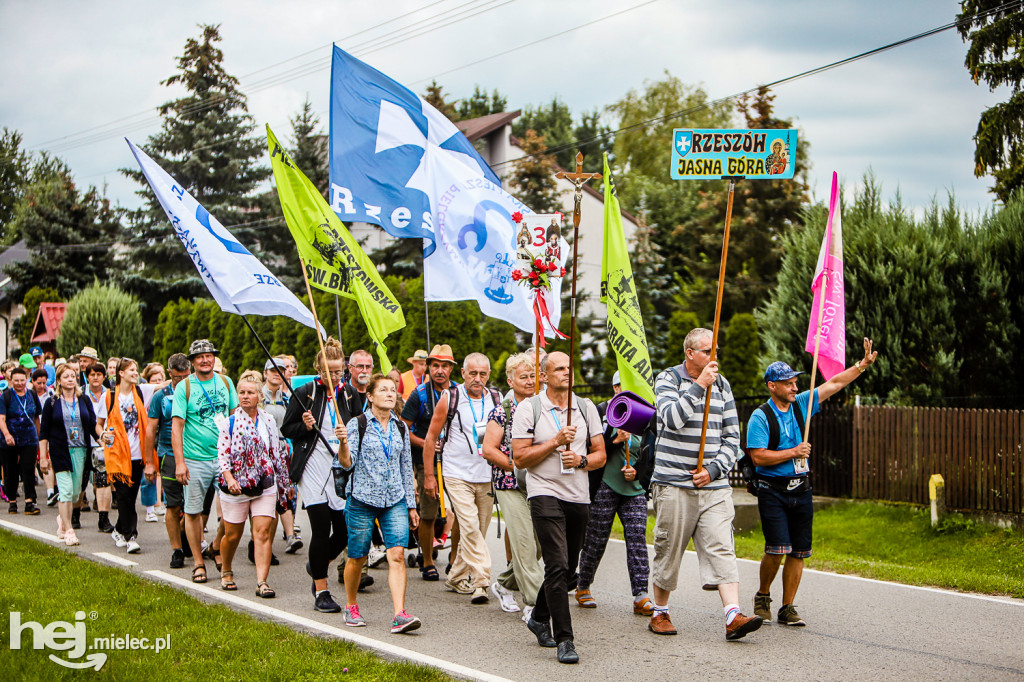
(695, 505)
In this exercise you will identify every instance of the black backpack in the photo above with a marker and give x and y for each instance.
(745, 464)
(453, 406)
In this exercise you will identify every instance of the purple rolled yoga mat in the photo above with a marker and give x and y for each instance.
(629, 412)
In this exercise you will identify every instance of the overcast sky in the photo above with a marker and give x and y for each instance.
(909, 113)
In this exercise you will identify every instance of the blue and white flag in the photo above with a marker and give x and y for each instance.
(237, 280)
(396, 161)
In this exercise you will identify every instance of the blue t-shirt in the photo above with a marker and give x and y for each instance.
(51, 375)
(160, 417)
(21, 412)
(789, 433)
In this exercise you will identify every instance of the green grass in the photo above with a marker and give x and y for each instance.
(897, 543)
(207, 642)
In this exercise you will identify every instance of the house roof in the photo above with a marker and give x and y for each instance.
(15, 253)
(51, 315)
(475, 128)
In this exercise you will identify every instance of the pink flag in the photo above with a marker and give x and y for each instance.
(829, 300)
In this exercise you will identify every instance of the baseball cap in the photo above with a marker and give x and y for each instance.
(615, 380)
(200, 346)
(35, 351)
(270, 364)
(26, 361)
(779, 371)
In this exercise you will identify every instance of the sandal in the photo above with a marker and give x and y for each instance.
(227, 581)
(584, 599)
(263, 590)
(430, 573)
(198, 577)
(643, 607)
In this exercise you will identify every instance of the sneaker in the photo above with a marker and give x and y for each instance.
(151, 517)
(505, 598)
(376, 557)
(274, 561)
(741, 626)
(527, 613)
(543, 633)
(177, 559)
(789, 616)
(51, 499)
(31, 509)
(105, 526)
(763, 606)
(365, 581)
(325, 603)
(13, 509)
(661, 624)
(70, 539)
(160, 510)
(294, 544)
(352, 617)
(479, 596)
(403, 622)
(118, 539)
(567, 652)
(60, 528)
(133, 546)
(460, 586)
(76, 519)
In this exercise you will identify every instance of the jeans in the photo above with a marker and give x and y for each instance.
(394, 526)
(560, 529)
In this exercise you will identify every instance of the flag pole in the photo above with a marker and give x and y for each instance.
(536, 356)
(802, 461)
(718, 316)
(320, 338)
(426, 309)
(337, 314)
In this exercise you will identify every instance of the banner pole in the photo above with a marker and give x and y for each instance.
(536, 357)
(320, 339)
(718, 315)
(337, 314)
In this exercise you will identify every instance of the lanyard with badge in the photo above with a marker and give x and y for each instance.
(479, 424)
(332, 439)
(74, 434)
(800, 465)
(558, 424)
(380, 437)
(24, 406)
(218, 418)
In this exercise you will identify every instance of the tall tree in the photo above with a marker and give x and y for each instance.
(553, 122)
(69, 233)
(995, 30)
(532, 180)
(206, 143)
(480, 103)
(15, 165)
(594, 139)
(436, 97)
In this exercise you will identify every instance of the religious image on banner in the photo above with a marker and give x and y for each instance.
(540, 263)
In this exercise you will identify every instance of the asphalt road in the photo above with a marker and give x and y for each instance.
(857, 629)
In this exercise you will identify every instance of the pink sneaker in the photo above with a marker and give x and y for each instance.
(60, 527)
(70, 539)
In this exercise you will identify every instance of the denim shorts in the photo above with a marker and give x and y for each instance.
(201, 475)
(359, 517)
(786, 521)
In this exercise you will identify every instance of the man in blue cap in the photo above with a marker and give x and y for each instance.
(39, 358)
(776, 445)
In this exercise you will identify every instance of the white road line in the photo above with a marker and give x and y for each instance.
(1009, 601)
(112, 558)
(25, 530)
(340, 633)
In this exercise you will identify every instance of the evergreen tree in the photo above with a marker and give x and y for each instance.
(436, 97)
(553, 123)
(104, 317)
(207, 144)
(15, 167)
(679, 325)
(481, 104)
(741, 356)
(651, 277)
(532, 179)
(70, 233)
(594, 139)
(995, 30)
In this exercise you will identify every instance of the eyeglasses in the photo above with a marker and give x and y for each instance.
(338, 373)
(370, 366)
(706, 351)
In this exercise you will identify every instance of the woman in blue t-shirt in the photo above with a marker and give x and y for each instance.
(19, 425)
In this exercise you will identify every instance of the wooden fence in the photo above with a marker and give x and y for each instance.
(978, 452)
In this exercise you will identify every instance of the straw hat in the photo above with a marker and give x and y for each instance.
(442, 352)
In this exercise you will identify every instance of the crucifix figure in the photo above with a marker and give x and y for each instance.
(577, 179)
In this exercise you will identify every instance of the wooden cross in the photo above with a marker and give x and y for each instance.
(577, 179)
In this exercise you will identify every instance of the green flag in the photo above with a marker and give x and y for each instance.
(334, 260)
(625, 323)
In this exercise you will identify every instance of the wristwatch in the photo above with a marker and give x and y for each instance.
(583, 462)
